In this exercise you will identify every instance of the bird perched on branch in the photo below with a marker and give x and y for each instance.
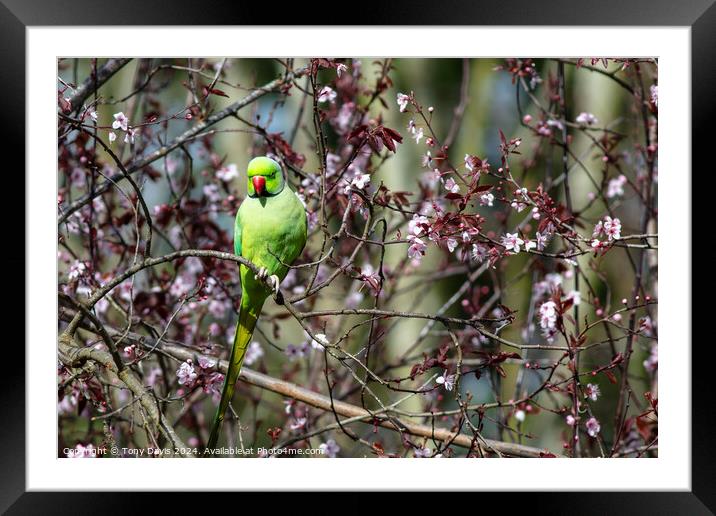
(270, 231)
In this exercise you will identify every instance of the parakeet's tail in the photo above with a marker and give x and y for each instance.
(244, 330)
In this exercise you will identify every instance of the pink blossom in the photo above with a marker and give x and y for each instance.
(598, 228)
(213, 383)
(332, 163)
(575, 296)
(541, 241)
(206, 363)
(479, 252)
(418, 225)
(218, 307)
(253, 353)
(430, 179)
(469, 162)
(129, 136)
(543, 129)
(612, 228)
(423, 453)
(360, 181)
(370, 276)
(451, 186)
(82, 452)
(592, 392)
(68, 404)
(616, 186)
(186, 373)
(298, 423)
(646, 326)
(427, 160)
(586, 118)
(77, 270)
(512, 242)
(451, 244)
(417, 247)
(330, 448)
(344, 117)
(153, 377)
(548, 319)
(180, 286)
(403, 101)
(593, 426)
(555, 123)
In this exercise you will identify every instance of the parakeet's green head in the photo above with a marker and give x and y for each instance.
(265, 177)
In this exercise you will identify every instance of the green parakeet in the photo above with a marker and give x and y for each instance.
(270, 231)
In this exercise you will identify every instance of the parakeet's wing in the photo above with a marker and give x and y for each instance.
(237, 236)
(273, 233)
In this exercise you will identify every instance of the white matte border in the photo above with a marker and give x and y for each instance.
(671, 471)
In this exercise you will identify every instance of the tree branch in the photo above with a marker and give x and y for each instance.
(91, 83)
(139, 164)
(322, 402)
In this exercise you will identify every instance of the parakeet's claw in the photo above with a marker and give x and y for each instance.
(275, 282)
(261, 274)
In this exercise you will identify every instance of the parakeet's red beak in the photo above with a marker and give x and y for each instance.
(259, 184)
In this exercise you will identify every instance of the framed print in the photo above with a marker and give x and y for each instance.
(438, 245)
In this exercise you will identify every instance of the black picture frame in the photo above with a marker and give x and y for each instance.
(17, 15)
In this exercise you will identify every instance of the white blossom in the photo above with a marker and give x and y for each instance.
(228, 173)
(327, 94)
(487, 199)
(592, 392)
(120, 121)
(586, 118)
(446, 380)
(403, 100)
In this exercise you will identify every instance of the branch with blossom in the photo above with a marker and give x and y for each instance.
(458, 298)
